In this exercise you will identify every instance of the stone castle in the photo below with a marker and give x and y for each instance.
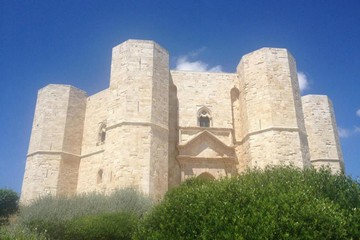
(154, 127)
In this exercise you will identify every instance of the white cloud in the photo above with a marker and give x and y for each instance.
(196, 52)
(357, 129)
(303, 81)
(185, 63)
(358, 113)
(217, 68)
(343, 132)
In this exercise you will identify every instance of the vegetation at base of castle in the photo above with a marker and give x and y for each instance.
(18, 232)
(119, 225)
(65, 208)
(90, 216)
(108, 226)
(8, 204)
(275, 203)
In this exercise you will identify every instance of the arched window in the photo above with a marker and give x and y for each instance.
(99, 176)
(204, 117)
(102, 133)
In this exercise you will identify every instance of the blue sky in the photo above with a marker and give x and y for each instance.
(70, 42)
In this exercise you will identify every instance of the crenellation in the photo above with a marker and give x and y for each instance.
(154, 127)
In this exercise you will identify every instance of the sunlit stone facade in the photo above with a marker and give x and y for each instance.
(153, 127)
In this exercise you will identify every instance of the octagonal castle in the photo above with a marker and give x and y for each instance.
(154, 127)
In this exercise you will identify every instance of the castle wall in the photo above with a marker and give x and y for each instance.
(173, 165)
(270, 92)
(54, 151)
(88, 178)
(92, 147)
(127, 157)
(211, 90)
(95, 116)
(136, 147)
(275, 148)
(74, 124)
(49, 119)
(41, 176)
(322, 133)
(195, 91)
(68, 175)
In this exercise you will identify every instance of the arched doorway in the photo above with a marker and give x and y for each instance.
(206, 176)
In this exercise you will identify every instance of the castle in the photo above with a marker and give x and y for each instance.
(154, 127)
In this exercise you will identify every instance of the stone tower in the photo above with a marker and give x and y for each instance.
(321, 128)
(55, 146)
(137, 117)
(272, 129)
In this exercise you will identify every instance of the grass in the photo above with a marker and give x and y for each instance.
(48, 217)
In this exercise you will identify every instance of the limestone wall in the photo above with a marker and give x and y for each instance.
(136, 147)
(131, 82)
(322, 133)
(72, 142)
(40, 177)
(275, 148)
(127, 157)
(68, 175)
(211, 90)
(173, 165)
(159, 150)
(95, 116)
(238, 110)
(88, 176)
(74, 125)
(54, 149)
(49, 120)
(92, 147)
(270, 93)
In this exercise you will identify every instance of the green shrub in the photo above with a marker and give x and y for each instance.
(51, 208)
(51, 229)
(8, 204)
(106, 226)
(17, 232)
(51, 215)
(275, 203)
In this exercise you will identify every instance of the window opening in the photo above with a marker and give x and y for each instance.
(204, 118)
(204, 122)
(102, 134)
(99, 176)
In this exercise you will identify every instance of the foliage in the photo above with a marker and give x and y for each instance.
(8, 204)
(275, 203)
(52, 208)
(19, 233)
(54, 216)
(103, 226)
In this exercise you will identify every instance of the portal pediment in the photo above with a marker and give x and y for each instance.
(205, 145)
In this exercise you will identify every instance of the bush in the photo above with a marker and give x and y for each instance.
(275, 203)
(52, 208)
(8, 204)
(54, 216)
(17, 232)
(105, 226)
